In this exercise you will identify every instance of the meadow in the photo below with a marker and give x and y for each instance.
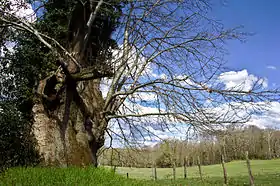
(266, 172)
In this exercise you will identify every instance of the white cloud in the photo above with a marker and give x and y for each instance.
(134, 108)
(268, 118)
(241, 80)
(271, 67)
(23, 10)
(136, 65)
(134, 62)
(144, 96)
(161, 76)
(104, 86)
(20, 9)
(152, 132)
(268, 114)
(184, 80)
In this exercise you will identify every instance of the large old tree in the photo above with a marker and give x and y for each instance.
(83, 65)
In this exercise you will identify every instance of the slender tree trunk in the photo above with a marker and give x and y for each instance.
(199, 167)
(155, 171)
(224, 170)
(269, 144)
(224, 148)
(174, 170)
(251, 178)
(185, 167)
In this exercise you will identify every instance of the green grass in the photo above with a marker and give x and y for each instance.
(65, 176)
(266, 172)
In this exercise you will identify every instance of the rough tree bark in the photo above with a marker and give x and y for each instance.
(82, 132)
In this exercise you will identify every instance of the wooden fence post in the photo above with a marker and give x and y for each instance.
(251, 178)
(224, 170)
(155, 171)
(174, 170)
(185, 167)
(199, 167)
(114, 168)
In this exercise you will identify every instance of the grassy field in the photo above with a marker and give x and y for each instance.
(266, 172)
(234, 169)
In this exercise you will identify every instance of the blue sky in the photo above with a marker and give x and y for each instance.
(261, 50)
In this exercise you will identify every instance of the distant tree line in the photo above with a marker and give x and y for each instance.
(232, 143)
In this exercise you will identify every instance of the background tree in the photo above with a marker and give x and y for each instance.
(209, 149)
(16, 143)
(84, 66)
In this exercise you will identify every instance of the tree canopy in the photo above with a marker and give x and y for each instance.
(82, 67)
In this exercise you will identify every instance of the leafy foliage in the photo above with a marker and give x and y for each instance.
(30, 61)
(16, 143)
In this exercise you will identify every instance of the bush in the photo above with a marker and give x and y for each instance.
(164, 160)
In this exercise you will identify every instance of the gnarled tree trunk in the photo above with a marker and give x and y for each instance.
(83, 135)
(68, 121)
